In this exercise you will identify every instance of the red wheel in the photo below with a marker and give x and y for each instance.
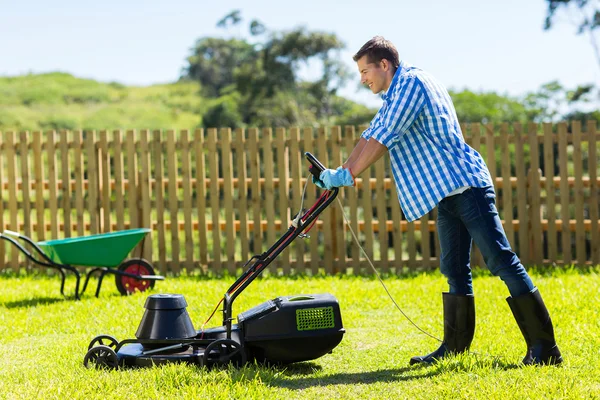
(127, 285)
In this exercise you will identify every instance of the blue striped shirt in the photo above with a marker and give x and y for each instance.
(429, 157)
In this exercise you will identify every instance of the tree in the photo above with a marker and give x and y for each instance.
(584, 14)
(269, 69)
(214, 62)
(487, 107)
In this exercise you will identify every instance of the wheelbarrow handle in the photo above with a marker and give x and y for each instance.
(11, 233)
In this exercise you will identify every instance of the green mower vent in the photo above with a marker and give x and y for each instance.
(310, 319)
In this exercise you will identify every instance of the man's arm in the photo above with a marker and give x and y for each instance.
(370, 151)
(355, 152)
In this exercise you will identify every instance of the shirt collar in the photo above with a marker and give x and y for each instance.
(388, 93)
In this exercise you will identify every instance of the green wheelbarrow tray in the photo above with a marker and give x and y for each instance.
(101, 250)
(106, 252)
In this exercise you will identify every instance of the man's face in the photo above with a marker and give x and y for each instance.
(374, 75)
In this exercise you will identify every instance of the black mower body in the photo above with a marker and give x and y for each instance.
(292, 328)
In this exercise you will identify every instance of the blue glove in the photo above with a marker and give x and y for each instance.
(336, 178)
(319, 183)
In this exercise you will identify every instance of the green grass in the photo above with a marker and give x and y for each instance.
(43, 339)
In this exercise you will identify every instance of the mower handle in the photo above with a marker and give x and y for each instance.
(316, 166)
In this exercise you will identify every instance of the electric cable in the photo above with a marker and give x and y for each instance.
(379, 277)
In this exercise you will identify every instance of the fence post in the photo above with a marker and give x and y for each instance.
(593, 204)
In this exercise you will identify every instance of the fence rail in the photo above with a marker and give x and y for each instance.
(213, 198)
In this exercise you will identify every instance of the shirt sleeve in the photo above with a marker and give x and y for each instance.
(369, 131)
(406, 104)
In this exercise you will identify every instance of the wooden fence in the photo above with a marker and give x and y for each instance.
(213, 198)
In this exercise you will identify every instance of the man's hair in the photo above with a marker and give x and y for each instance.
(377, 49)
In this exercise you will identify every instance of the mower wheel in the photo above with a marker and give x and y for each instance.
(224, 351)
(104, 340)
(136, 266)
(101, 357)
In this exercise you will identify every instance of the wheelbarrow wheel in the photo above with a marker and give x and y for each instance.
(104, 340)
(127, 285)
(224, 351)
(101, 357)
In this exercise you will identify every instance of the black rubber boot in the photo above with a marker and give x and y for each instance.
(459, 328)
(536, 326)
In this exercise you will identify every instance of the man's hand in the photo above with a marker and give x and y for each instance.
(336, 178)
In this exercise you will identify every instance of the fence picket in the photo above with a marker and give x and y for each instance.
(522, 213)
(549, 158)
(296, 158)
(173, 200)
(186, 175)
(594, 201)
(38, 170)
(78, 171)
(145, 193)
(269, 189)
(311, 190)
(119, 177)
(227, 168)
(105, 189)
(352, 203)
(476, 256)
(256, 191)
(66, 191)
(381, 208)
(507, 191)
(242, 175)
(11, 176)
(283, 161)
(564, 194)
(23, 149)
(92, 180)
(2, 197)
(323, 156)
(535, 198)
(131, 183)
(159, 190)
(337, 225)
(213, 172)
(578, 193)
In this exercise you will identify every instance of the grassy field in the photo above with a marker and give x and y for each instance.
(44, 337)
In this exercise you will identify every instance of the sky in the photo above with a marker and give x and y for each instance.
(480, 45)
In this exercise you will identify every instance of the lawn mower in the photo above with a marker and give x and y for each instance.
(283, 330)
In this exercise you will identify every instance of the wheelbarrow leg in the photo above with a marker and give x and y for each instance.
(77, 279)
(104, 271)
(62, 283)
(87, 279)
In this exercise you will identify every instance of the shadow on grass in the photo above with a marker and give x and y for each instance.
(37, 301)
(301, 376)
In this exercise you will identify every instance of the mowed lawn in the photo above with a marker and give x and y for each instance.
(44, 337)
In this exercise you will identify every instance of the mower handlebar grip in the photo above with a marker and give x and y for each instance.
(316, 167)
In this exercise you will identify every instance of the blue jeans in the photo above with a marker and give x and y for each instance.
(472, 217)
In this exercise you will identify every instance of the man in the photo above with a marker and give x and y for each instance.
(433, 166)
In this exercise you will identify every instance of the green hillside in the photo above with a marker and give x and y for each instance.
(61, 101)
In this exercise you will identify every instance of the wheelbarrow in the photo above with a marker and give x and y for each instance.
(105, 252)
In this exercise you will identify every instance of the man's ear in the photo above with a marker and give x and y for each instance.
(385, 64)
